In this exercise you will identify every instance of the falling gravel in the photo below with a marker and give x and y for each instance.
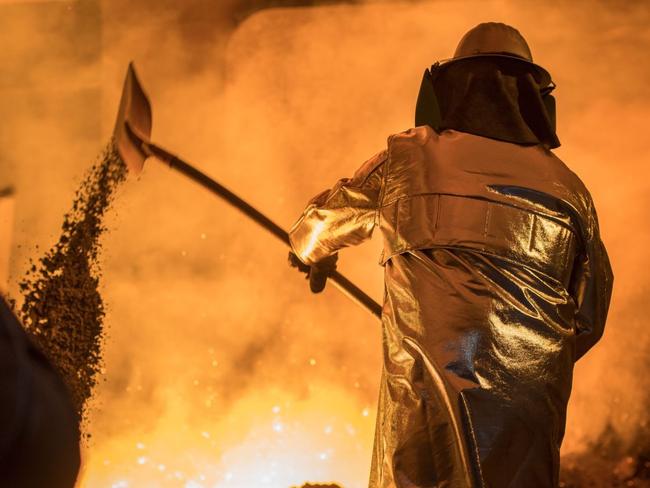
(63, 311)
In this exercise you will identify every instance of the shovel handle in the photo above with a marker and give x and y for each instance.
(341, 282)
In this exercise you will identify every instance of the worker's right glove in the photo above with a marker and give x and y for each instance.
(317, 273)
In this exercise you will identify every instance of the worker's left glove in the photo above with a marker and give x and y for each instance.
(317, 273)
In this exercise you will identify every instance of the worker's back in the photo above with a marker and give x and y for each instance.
(457, 189)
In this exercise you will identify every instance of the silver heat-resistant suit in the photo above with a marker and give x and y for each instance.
(496, 282)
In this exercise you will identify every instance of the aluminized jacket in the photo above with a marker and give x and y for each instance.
(496, 282)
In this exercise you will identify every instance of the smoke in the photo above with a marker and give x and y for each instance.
(219, 363)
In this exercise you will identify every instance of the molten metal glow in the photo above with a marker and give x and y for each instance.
(276, 441)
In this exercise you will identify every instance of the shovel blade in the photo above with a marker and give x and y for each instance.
(133, 124)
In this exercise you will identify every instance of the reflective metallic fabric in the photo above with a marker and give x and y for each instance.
(496, 281)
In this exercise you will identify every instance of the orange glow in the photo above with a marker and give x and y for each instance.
(272, 440)
(221, 370)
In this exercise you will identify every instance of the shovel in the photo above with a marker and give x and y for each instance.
(132, 139)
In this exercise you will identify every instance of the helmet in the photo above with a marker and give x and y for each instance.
(495, 39)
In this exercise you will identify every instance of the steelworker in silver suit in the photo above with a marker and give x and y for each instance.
(496, 278)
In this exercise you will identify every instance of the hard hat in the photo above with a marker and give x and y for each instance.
(495, 39)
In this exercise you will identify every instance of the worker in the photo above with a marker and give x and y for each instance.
(496, 278)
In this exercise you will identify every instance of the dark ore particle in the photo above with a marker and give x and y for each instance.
(63, 311)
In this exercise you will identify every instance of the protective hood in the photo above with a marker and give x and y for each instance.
(491, 97)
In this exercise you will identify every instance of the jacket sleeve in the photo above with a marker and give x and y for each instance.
(343, 216)
(591, 287)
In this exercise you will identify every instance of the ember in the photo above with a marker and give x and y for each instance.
(63, 311)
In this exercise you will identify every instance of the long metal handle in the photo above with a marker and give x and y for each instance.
(340, 281)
